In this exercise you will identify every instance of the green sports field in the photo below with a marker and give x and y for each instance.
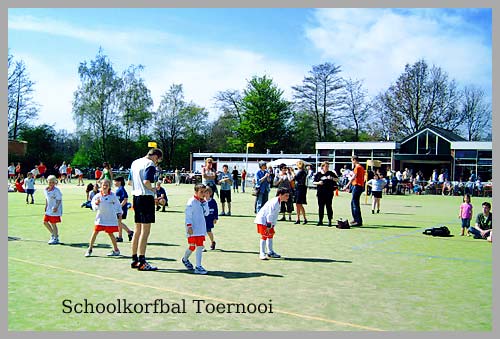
(385, 275)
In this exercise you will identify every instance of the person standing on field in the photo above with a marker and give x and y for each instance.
(143, 172)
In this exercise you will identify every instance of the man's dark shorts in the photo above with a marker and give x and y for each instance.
(225, 195)
(144, 209)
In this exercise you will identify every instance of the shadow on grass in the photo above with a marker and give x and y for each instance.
(13, 238)
(386, 226)
(234, 251)
(147, 258)
(84, 245)
(161, 244)
(316, 260)
(224, 274)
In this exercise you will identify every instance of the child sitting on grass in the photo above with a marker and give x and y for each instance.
(108, 209)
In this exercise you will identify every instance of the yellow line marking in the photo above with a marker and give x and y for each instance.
(195, 295)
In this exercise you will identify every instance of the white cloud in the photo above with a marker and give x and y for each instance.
(124, 38)
(204, 73)
(375, 44)
(53, 90)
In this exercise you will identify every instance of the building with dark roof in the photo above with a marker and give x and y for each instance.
(425, 150)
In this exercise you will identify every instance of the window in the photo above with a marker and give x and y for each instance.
(465, 154)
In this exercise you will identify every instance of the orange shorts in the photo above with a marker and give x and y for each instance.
(107, 229)
(264, 230)
(197, 240)
(52, 219)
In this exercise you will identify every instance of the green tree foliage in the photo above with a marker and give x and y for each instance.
(300, 135)
(265, 116)
(221, 131)
(421, 96)
(178, 123)
(96, 101)
(21, 107)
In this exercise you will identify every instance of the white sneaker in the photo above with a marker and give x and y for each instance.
(114, 253)
(88, 253)
(51, 241)
(56, 241)
(263, 257)
(200, 270)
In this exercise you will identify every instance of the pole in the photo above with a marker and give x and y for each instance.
(246, 160)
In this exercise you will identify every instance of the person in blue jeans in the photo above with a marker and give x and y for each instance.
(357, 183)
(263, 183)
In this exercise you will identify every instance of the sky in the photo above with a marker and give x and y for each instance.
(208, 50)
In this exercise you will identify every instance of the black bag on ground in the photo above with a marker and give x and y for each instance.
(442, 231)
(343, 224)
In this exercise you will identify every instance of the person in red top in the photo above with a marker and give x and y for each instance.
(357, 184)
(69, 171)
(42, 169)
(97, 174)
(18, 170)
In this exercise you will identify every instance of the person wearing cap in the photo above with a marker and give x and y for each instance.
(142, 173)
(263, 183)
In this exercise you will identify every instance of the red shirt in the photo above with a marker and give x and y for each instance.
(359, 175)
(42, 169)
(98, 174)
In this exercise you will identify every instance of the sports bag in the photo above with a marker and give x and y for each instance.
(343, 224)
(442, 231)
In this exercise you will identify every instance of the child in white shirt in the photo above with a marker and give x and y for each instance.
(109, 209)
(196, 229)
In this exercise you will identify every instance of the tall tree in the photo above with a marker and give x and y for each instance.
(475, 113)
(230, 102)
(169, 122)
(95, 104)
(421, 96)
(356, 105)
(320, 95)
(265, 116)
(135, 102)
(21, 106)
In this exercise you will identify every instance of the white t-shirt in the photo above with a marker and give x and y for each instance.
(138, 175)
(269, 212)
(195, 216)
(52, 197)
(107, 209)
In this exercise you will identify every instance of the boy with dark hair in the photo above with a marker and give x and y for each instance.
(266, 220)
(483, 226)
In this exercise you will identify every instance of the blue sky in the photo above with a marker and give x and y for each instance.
(210, 50)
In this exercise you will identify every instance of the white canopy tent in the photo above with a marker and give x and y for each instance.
(288, 162)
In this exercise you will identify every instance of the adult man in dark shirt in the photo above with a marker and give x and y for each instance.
(483, 226)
